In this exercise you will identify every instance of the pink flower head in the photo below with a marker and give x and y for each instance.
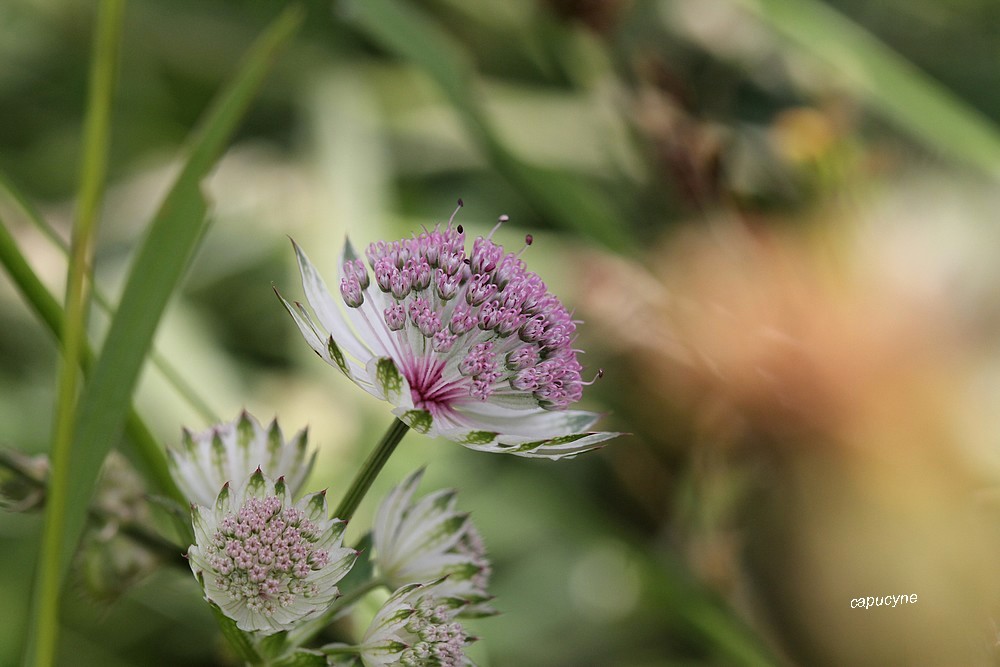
(471, 347)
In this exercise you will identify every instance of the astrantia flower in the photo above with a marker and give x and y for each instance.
(229, 452)
(265, 562)
(416, 626)
(472, 348)
(429, 540)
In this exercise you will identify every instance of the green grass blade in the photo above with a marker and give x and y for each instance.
(44, 628)
(32, 289)
(568, 200)
(908, 97)
(156, 270)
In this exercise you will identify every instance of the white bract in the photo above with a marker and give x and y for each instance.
(229, 452)
(471, 348)
(265, 562)
(428, 540)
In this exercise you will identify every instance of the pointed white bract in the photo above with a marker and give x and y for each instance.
(416, 626)
(471, 348)
(429, 540)
(265, 562)
(229, 452)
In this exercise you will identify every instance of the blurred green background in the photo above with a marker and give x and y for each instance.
(776, 218)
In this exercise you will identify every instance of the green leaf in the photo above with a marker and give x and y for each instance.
(559, 440)
(892, 85)
(43, 630)
(273, 646)
(169, 372)
(338, 356)
(156, 270)
(148, 454)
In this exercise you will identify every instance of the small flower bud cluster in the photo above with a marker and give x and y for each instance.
(354, 282)
(416, 627)
(434, 638)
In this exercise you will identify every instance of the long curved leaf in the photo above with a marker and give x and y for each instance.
(156, 270)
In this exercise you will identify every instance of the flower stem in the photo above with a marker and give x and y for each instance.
(370, 470)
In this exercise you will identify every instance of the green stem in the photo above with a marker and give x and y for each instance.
(44, 628)
(370, 470)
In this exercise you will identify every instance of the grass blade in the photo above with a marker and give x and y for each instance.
(165, 253)
(44, 627)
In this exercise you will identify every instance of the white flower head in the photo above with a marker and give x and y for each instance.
(416, 626)
(265, 562)
(229, 452)
(471, 348)
(429, 540)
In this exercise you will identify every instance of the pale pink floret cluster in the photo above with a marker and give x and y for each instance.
(468, 346)
(264, 553)
(266, 562)
(436, 639)
(485, 316)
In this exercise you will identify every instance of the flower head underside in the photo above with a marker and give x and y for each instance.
(429, 540)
